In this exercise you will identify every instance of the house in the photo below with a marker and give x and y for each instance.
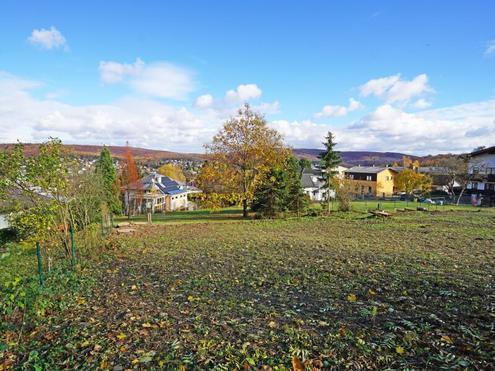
(481, 169)
(157, 193)
(313, 181)
(371, 181)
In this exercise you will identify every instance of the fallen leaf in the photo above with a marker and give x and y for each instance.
(447, 339)
(121, 336)
(352, 298)
(297, 365)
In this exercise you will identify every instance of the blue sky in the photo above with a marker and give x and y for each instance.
(415, 76)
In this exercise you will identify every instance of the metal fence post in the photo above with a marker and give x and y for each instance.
(40, 263)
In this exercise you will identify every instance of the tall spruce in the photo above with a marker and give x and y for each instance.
(330, 159)
(108, 173)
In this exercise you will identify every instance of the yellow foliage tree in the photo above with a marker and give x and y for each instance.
(172, 171)
(409, 181)
(240, 155)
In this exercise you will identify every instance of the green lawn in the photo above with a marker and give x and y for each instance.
(235, 213)
(412, 291)
(221, 215)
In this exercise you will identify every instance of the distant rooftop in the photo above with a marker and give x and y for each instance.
(368, 169)
(483, 151)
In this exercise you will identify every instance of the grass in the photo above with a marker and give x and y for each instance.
(234, 214)
(413, 291)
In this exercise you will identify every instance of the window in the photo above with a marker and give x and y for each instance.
(351, 176)
(368, 177)
(370, 190)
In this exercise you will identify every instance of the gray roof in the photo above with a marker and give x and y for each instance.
(368, 169)
(307, 181)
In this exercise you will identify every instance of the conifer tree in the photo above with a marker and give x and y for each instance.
(330, 159)
(297, 200)
(108, 173)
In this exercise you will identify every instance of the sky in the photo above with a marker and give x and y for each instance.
(409, 76)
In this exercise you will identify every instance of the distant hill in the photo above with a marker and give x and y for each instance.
(140, 154)
(349, 158)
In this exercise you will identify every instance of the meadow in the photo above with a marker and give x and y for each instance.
(415, 290)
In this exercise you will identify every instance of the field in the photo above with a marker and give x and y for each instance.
(235, 213)
(416, 290)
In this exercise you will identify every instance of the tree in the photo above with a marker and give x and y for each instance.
(280, 191)
(48, 193)
(172, 171)
(330, 159)
(409, 181)
(130, 183)
(455, 172)
(241, 154)
(106, 170)
(342, 187)
(297, 201)
(270, 195)
(304, 164)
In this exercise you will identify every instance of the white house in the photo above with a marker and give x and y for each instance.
(157, 193)
(313, 182)
(482, 170)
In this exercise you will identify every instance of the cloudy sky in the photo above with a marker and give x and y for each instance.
(410, 76)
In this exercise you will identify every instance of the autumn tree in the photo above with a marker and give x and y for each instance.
(172, 171)
(106, 170)
(330, 159)
(409, 181)
(129, 179)
(241, 154)
(455, 172)
(342, 186)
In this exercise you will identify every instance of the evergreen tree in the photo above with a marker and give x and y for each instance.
(106, 169)
(280, 191)
(330, 159)
(297, 200)
(270, 195)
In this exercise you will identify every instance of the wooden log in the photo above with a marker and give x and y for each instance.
(380, 213)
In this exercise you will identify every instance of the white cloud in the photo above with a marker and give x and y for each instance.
(153, 124)
(113, 72)
(338, 111)
(243, 92)
(204, 101)
(393, 89)
(48, 39)
(158, 79)
(421, 104)
(267, 108)
(490, 48)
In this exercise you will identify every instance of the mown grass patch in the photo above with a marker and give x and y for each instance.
(412, 291)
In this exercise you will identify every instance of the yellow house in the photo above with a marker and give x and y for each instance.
(371, 181)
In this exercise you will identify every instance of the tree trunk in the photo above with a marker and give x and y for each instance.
(329, 201)
(244, 208)
(460, 195)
